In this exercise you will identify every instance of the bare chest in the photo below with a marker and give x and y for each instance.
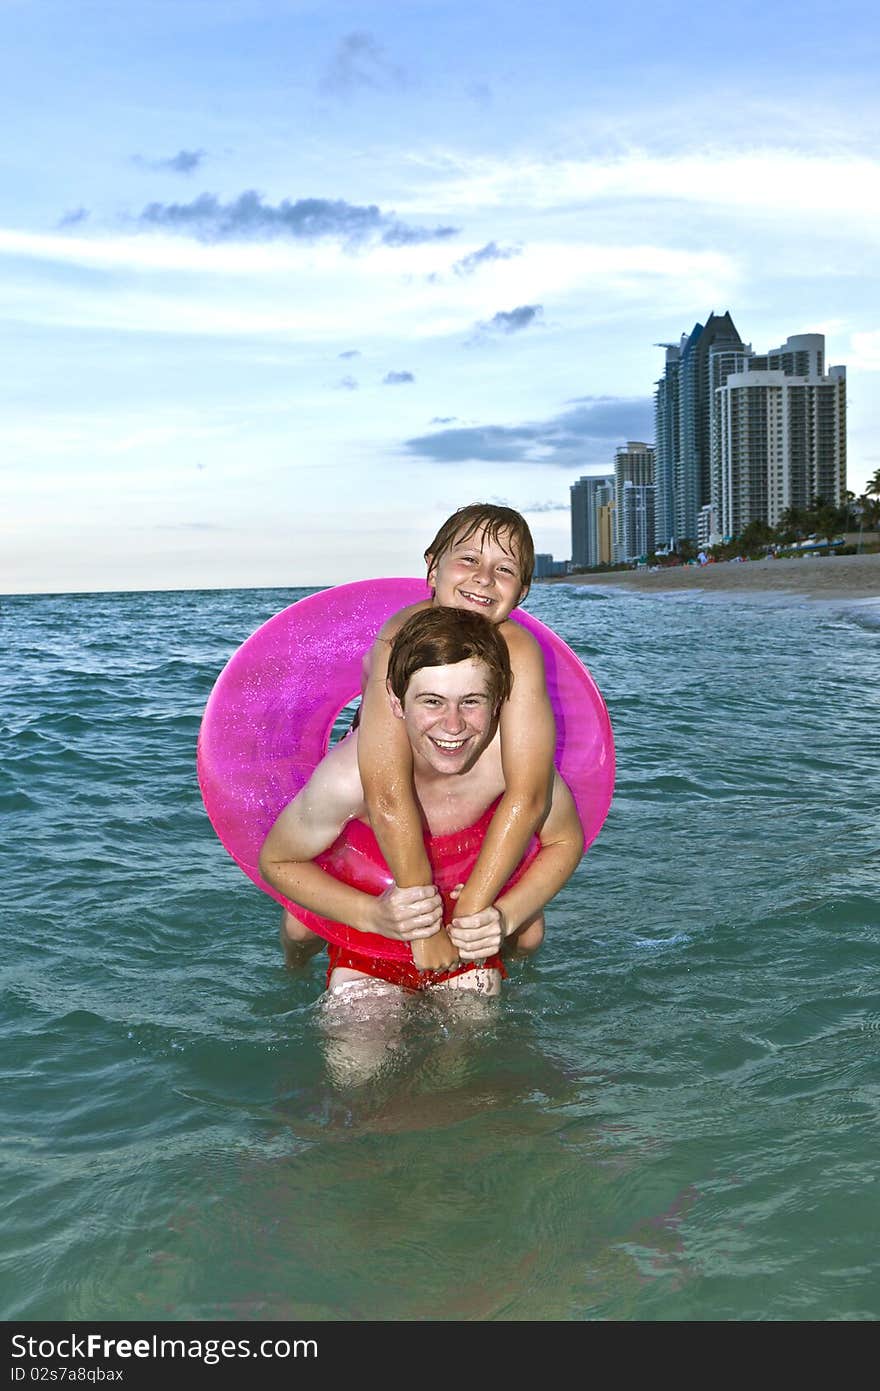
(449, 804)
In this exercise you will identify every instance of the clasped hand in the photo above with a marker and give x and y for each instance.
(479, 934)
(407, 914)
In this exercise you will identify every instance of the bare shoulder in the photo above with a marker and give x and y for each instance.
(336, 781)
(390, 627)
(524, 648)
(375, 661)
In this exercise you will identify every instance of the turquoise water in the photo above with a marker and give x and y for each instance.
(673, 1114)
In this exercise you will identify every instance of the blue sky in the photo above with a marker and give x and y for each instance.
(284, 283)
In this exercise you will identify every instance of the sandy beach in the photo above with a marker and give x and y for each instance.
(826, 577)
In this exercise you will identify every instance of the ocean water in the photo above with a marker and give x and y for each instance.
(672, 1114)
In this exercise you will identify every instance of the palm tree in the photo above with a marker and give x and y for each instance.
(756, 538)
(828, 520)
(869, 508)
(794, 523)
(872, 489)
(686, 549)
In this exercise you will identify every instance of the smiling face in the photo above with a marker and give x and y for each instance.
(449, 715)
(479, 573)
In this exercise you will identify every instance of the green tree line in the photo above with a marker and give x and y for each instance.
(821, 519)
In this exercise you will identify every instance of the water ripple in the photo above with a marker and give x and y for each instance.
(672, 1116)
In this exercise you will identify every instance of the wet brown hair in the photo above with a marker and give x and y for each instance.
(440, 637)
(501, 524)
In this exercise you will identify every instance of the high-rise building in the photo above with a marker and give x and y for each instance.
(706, 527)
(633, 463)
(636, 512)
(724, 362)
(588, 495)
(725, 457)
(546, 566)
(782, 437)
(666, 426)
(802, 355)
(691, 476)
(605, 530)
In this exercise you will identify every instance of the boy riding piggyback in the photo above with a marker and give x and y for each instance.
(480, 561)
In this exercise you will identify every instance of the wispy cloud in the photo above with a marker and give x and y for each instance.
(490, 252)
(184, 162)
(326, 292)
(347, 384)
(249, 217)
(74, 217)
(768, 179)
(360, 62)
(585, 435)
(555, 268)
(512, 320)
(397, 378)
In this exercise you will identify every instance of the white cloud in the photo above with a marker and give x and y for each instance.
(321, 293)
(779, 180)
(315, 292)
(865, 351)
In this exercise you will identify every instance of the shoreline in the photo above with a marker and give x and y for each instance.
(825, 577)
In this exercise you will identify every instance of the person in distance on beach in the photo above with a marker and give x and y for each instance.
(481, 561)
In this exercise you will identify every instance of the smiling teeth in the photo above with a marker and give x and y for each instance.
(476, 598)
(449, 743)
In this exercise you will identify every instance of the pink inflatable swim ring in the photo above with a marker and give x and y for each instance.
(269, 719)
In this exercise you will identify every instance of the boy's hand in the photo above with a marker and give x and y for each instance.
(479, 934)
(407, 914)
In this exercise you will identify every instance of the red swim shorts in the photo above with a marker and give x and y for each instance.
(403, 973)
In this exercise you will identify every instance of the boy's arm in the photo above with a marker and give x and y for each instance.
(528, 743)
(562, 844)
(310, 824)
(385, 764)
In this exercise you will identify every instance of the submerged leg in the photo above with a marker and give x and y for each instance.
(361, 1019)
(484, 981)
(298, 942)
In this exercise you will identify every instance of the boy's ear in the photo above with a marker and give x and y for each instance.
(429, 561)
(396, 707)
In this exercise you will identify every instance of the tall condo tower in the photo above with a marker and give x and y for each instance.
(781, 434)
(589, 496)
(633, 463)
(636, 512)
(666, 426)
(691, 474)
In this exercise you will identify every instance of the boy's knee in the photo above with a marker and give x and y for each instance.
(528, 938)
(299, 942)
(292, 930)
